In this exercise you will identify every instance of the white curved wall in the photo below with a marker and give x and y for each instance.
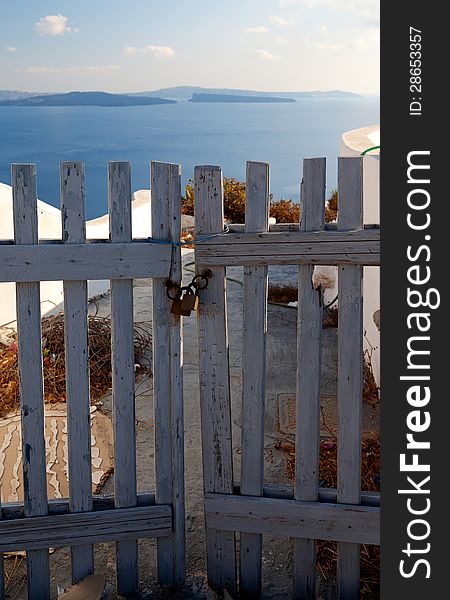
(353, 143)
(49, 227)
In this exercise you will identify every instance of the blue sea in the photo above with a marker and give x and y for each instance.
(186, 133)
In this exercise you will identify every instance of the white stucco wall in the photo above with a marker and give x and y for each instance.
(49, 227)
(353, 143)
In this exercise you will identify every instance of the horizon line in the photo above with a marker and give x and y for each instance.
(377, 93)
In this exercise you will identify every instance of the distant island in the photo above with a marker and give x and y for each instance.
(235, 99)
(178, 93)
(86, 99)
(16, 95)
(185, 92)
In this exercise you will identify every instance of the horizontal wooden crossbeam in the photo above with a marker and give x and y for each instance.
(61, 506)
(360, 247)
(327, 495)
(293, 518)
(80, 262)
(73, 529)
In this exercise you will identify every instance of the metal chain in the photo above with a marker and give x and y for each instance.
(199, 282)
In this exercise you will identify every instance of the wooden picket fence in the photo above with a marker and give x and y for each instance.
(82, 521)
(303, 511)
(250, 508)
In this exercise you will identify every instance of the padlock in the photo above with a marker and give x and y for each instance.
(176, 308)
(189, 301)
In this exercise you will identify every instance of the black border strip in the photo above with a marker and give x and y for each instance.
(405, 131)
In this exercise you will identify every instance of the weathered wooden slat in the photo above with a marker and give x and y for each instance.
(233, 228)
(350, 371)
(122, 347)
(253, 374)
(167, 375)
(273, 240)
(309, 339)
(327, 495)
(78, 262)
(30, 374)
(369, 259)
(318, 248)
(293, 518)
(85, 528)
(14, 510)
(286, 227)
(77, 364)
(214, 379)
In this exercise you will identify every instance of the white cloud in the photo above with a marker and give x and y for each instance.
(363, 42)
(281, 21)
(364, 8)
(258, 29)
(130, 51)
(266, 55)
(87, 69)
(54, 25)
(329, 47)
(156, 51)
(281, 40)
(370, 38)
(10, 49)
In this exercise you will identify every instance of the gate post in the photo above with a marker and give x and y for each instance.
(214, 379)
(167, 375)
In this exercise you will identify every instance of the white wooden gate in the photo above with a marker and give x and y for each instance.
(81, 521)
(304, 511)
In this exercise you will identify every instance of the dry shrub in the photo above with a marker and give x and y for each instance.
(284, 211)
(53, 359)
(331, 207)
(371, 392)
(330, 317)
(283, 294)
(187, 201)
(234, 200)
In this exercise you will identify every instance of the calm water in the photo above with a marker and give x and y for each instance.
(185, 133)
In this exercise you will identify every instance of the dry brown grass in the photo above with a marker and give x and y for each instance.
(53, 361)
(370, 481)
(371, 392)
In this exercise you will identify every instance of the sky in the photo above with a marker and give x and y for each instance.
(137, 45)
